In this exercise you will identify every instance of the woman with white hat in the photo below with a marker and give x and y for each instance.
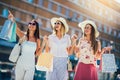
(59, 44)
(88, 50)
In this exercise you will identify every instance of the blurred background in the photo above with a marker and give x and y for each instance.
(105, 13)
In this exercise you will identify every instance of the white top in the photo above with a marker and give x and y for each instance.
(58, 47)
(27, 58)
(86, 53)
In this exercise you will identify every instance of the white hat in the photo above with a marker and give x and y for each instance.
(53, 20)
(84, 23)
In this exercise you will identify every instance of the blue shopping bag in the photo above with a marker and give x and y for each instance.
(8, 31)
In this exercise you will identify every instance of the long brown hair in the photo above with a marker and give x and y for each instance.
(36, 33)
(94, 42)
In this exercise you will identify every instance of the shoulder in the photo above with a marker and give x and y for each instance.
(51, 36)
(67, 36)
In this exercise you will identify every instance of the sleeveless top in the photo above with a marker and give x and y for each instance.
(86, 53)
(27, 58)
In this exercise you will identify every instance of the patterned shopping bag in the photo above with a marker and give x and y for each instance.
(108, 64)
(8, 31)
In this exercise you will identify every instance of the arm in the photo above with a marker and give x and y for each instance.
(38, 50)
(71, 47)
(46, 44)
(18, 31)
(100, 52)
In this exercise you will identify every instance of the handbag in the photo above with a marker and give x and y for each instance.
(107, 63)
(45, 62)
(8, 31)
(16, 51)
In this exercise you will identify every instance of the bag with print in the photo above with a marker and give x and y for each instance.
(107, 63)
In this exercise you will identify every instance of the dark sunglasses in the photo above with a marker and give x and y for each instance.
(32, 24)
(57, 23)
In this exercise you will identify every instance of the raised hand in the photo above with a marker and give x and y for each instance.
(74, 38)
(10, 16)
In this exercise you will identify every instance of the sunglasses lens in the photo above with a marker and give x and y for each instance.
(57, 23)
(31, 23)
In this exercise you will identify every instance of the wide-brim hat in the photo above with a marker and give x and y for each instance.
(53, 20)
(84, 23)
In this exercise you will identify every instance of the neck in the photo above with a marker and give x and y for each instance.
(59, 35)
(31, 34)
(88, 37)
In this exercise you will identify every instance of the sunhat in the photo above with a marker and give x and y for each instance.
(84, 23)
(53, 20)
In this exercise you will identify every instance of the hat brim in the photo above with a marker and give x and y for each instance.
(53, 20)
(84, 23)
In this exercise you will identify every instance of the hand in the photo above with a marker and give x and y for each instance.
(74, 38)
(45, 38)
(10, 16)
(106, 49)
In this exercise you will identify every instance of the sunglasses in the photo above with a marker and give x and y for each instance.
(87, 27)
(57, 23)
(31, 24)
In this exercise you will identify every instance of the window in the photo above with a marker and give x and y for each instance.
(74, 16)
(48, 25)
(40, 22)
(50, 5)
(40, 3)
(115, 33)
(59, 8)
(105, 29)
(67, 12)
(17, 16)
(103, 43)
(119, 35)
(30, 1)
(110, 31)
(99, 27)
(80, 19)
(5, 12)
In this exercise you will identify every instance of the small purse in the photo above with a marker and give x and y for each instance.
(45, 62)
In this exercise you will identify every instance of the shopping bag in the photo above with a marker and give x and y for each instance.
(8, 31)
(108, 64)
(15, 53)
(45, 62)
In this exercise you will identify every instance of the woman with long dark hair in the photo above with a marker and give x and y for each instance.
(88, 50)
(30, 47)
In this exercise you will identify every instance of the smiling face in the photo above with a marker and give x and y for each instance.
(88, 29)
(32, 25)
(57, 25)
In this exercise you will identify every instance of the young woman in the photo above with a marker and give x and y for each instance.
(58, 44)
(88, 50)
(25, 66)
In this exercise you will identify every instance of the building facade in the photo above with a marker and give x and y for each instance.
(106, 16)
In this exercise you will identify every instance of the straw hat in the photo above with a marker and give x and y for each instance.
(84, 23)
(53, 20)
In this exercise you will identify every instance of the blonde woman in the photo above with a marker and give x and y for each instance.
(59, 44)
